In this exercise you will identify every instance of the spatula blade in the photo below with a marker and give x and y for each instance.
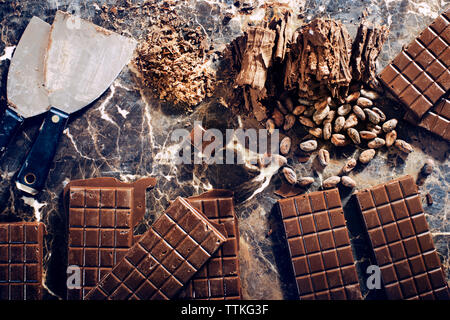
(25, 84)
(82, 61)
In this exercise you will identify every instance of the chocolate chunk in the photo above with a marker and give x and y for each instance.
(401, 240)
(165, 258)
(21, 249)
(319, 246)
(102, 214)
(219, 278)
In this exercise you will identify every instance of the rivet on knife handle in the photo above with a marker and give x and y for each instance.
(34, 171)
(10, 123)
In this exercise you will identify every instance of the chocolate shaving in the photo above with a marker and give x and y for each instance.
(366, 49)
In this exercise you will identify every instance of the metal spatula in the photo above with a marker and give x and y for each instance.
(81, 63)
(25, 91)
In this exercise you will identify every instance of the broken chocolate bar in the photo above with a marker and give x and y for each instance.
(319, 246)
(102, 214)
(402, 243)
(419, 76)
(165, 258)
(21, 250)
(219, 278)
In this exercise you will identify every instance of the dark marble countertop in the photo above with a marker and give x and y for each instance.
(125, 134)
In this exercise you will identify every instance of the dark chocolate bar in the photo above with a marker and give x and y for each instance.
(102, 215)
(402, 243)
(165, 258)
(419, 76)
(319, 246)
(21, 250)
(219, 278)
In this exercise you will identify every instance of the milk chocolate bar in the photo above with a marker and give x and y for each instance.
(165, 258)
(419, 76)
(319, 246)
(401, 240)
(21, 253)
(102, 213)
(219, 278)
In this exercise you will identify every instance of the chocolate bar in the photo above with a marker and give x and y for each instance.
(319, 246)
(21, 253)
(165, 258)
(219, 278)
(419, 77)
(402, 243)
(102, 214)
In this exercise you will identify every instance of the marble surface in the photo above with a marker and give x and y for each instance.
(125, 134)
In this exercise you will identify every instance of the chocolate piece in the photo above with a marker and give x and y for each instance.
(437, 120)
(319, 246)
(403, 246)
(165, 258)
(419, 76)
(102, 214)
(21, 250)
(219, 278)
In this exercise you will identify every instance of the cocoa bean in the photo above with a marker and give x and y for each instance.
(352, 96)
(327, 130)
(349, 166)
(306, 121)
(390, 138)
(364, 102)
(369, 94)
(316, 132)
(348, 182)
(285, 145)
(376, 143)
(324, 157)
(351, 121)
(339, 140)
(289, 122)
(390, 125)
(278, 118)
(289, 105)
(366, 156)
(281, 107)
(359, 112)
(404, 146)
(304, 102)
(339, 124)
(321, 104)
(305, 181)
(354, 135)
(290, 175)
(321, 114)
(344, 109)
(330, 116)
(309, 112)
(331, 182)
(379, 113)
(374, 128)
(299, 110)
(372, 116)
(367, 135)
(309, 145)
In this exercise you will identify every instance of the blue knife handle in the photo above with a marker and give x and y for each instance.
(10, 123)
(34, 171)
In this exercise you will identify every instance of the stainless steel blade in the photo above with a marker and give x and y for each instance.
(82, 61)
(25, 83)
